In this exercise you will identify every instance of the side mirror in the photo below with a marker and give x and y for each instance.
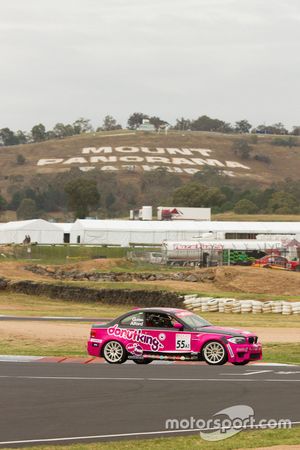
(178, 326)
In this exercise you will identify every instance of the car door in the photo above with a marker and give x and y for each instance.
(161, 327)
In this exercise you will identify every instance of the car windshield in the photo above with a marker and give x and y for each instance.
(192, 320)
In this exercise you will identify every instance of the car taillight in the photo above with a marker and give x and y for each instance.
(93, 333)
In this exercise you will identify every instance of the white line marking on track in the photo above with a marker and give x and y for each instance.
(142, 433)
(248, 373)
(257, 371)
(27, 377)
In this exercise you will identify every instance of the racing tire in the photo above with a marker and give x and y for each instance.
(243, 363)
(297, 269)
(214, 353)
(143, 361)
(114, 352)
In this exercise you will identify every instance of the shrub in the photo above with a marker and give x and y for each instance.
(20, 159)
(263, 158)
(285, 142)
(242, 149)
(245, 206)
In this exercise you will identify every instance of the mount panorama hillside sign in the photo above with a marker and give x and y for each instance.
(177, 160)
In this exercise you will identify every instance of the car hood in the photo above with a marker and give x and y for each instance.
(225, 331)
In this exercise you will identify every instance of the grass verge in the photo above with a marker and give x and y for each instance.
(273, 352)
(12, 303)
(30, 305)
(245, 440)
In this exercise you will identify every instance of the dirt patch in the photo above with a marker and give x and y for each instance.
(278, 335)
(45, 332)
(60, 333)
(95, 264)
(248, 280)
(15, 270)
(258, 280)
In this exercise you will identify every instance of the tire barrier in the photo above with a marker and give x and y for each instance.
(233, 306)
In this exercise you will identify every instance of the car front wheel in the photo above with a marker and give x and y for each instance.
(114, 352)
(214, 353)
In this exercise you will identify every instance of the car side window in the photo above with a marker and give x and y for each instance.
(133, 320)
(158, 320)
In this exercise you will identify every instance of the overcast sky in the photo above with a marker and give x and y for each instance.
(230, 59)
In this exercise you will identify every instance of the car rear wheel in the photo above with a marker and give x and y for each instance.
(114, 352)
(143, 361)
(214, 353)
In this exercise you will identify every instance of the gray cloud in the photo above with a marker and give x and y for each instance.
(231, 59)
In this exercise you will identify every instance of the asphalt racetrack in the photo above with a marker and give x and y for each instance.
(44, 402)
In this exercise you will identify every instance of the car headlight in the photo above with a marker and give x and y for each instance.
(237, 340)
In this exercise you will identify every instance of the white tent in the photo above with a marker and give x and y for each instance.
(124, 232)
(39, 230)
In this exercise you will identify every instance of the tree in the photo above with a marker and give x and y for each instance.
(3, 203)
(38, 133)
(157, 122)
(109, 124)
(27, 209)
(109, 200)
(242, 149)
(214, 197)
(22, 137)
(245, 206)
(8, 137)
(82, 125)
(135, 120)
(20, 159)
(61, 131)
(277, 128)
(205, 123)
(82, 195)
(182, 124)
(195, 195)
(296, 131)
(283, 203)
(243, 126)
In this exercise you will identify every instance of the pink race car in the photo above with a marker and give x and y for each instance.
(146, 334)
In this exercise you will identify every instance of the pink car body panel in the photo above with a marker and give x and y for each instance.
(164, 343)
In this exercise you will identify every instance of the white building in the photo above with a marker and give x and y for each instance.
(126, 232)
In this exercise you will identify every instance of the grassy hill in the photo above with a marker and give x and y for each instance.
(284, 161)
(129, 154)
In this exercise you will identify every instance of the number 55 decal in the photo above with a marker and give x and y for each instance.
(183, 342)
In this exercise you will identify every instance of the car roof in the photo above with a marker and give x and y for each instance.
(159, 309)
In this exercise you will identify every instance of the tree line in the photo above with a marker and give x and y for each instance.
(39, 133)
(105, 195)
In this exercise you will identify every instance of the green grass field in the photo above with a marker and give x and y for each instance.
(245, 440)
(25, 305)
(279, 353)
(15, 304)
(231, 216)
